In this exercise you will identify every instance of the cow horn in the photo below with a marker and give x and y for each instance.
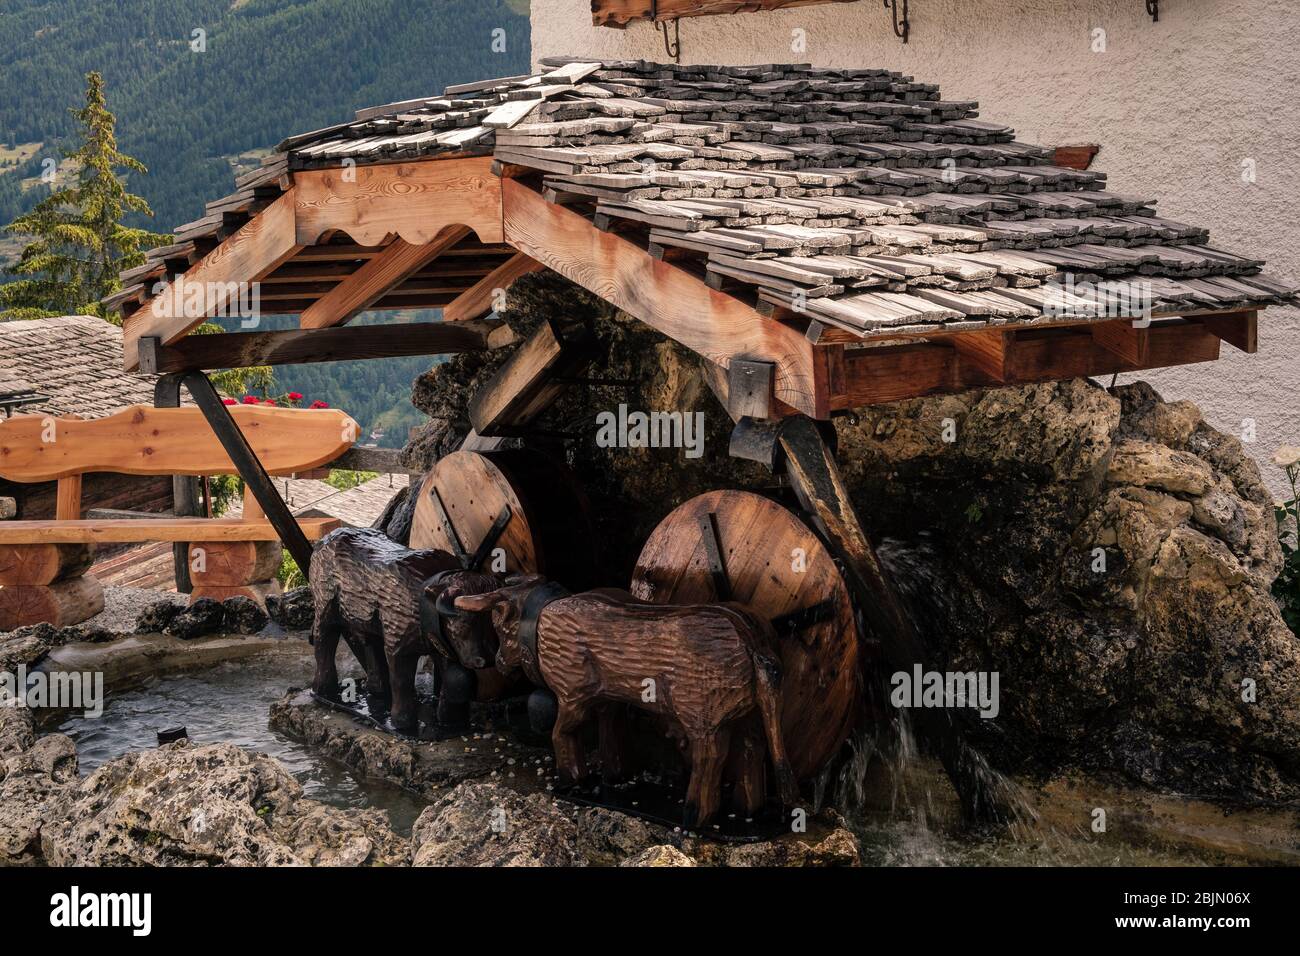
(478, 602)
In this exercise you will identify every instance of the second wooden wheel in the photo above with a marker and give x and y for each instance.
(548, 532)
(759, 554)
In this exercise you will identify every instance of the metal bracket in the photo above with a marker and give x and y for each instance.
(490, 539)
(1153, 10)
(448, 528)
(794, 621)
(902, 26)
(713, 552)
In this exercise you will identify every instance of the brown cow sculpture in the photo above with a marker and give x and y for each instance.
(368, 589)
(701, 668)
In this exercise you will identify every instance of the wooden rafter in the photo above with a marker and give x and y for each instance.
(478, 300)
(259, 247)
(378, 276)
(714, 324)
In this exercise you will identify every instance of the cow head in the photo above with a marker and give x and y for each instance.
(470, 637)
(505, 605)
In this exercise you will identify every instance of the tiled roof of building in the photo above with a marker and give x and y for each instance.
(860, 197)
(74, 362)
(358, 507)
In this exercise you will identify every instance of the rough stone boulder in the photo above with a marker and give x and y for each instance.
(184, 805)
(35, 778)
(484, 824)
(1110, 555)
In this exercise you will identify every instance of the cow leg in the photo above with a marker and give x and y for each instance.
(749, 759)
(613, 738)
(708, 755)
(401, 672)
(569, 758)
(379, 692)
(325, 630)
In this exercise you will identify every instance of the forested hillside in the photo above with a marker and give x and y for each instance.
(200, 85)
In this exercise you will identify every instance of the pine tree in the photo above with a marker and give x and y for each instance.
(79, 244)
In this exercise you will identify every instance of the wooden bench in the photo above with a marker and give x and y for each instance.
(43, 562)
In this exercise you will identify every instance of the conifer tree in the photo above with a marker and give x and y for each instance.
(78, 242)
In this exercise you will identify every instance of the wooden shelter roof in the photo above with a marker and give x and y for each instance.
(736, 208)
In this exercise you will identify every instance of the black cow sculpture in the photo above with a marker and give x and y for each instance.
(371, 591)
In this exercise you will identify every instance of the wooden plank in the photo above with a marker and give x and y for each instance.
(478, 300)
(749, 389)
(368, 284)
(665, 297)
(526, 384)
(619, 13)
(987, 350)
(1124, 339)
(67, 505)
(1238, 329)
(132, 530)
(257, 248)
(141, 440)
(891, 373)
(299, 347)
(414, 201)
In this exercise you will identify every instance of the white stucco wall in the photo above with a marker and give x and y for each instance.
(1176, 105)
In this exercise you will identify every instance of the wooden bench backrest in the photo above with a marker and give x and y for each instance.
(142, 440)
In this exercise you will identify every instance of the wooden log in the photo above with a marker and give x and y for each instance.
(233, 563)
(257, 592)
(145, 529)
(62, 603)
(43, 563)
(67, 505)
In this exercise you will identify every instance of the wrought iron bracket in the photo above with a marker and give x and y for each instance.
(1153, 10)
(902, 24)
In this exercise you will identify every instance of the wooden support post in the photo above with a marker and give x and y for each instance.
(478, 300)
(749, 389)
(185, 488)
(1238, 329)
(990, 352)
(816, 479)
(67, 506)
(249, 467)
(1124, 339)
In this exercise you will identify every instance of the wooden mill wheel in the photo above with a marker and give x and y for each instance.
(773, 563)
(549, 531)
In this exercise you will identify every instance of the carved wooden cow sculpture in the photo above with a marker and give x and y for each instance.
(368, 588)
(711, 666)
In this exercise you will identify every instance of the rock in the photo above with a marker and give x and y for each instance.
(662, 855)
(486, 824)
(28, 646)
(243, 615)
(205, 616)
(185, 805)
(292, 610)
(155, 618)
(607, 837)
(17, 730)
(398, 514)
(840, 848)
(8, 508)
(34, 787)
(427, 768)
(1149, 465)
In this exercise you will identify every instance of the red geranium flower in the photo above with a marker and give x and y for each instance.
(319, 404)
(295, 396)
(229, 401)
(251, 400)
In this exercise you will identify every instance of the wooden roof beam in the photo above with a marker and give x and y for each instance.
(478, 300)
(717, 326)
(258, 248)
(378, 276)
